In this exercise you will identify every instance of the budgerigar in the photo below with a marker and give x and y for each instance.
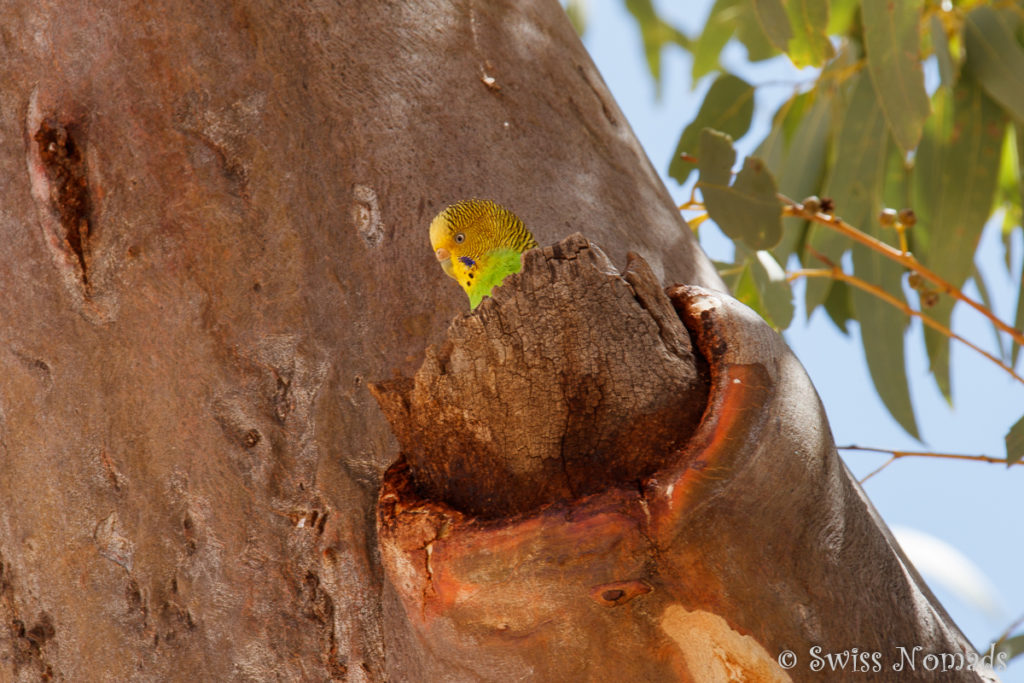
(479, 243)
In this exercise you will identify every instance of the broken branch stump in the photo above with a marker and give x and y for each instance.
(572, 378)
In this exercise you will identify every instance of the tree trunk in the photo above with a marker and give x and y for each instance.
(623, 549)
(214, 219)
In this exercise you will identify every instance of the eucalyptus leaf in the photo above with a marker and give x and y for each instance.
(881, 332)
(1018, 321)
(995, 58)
(796, 147)
(986, 301)
(751, 35)
(955, 180)
(940, 45)
(838, 305)
(718, 29)
(841, 17)
(809, 45)
(577, 11)
(774, 20)
(856, 180)
(798, 28)
(728, 107)
(656, 33)
(891, 42)
(1009, 189)
(748, 209)
(744, 288)
(776, 292)
(1015, 442)
(856, 186)
(758, 281)
(1011, 647)
(796, 151)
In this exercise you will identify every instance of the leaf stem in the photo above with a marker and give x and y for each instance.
(906, 259)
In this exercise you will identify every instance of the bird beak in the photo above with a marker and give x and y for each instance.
(446, 260)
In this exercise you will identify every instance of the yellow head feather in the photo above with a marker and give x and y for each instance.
(466, 235)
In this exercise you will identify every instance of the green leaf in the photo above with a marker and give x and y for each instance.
(748, 209)
(1011, 180)
(891, 43)
(937, 346)
(798, 144)
(809, 45)
(750, 33)
(1009, 189)
(1015, 442)
(1013, 200)
(1010, 648)
(718, 29)
(775, 290)
(577, 11)
(897, 187)
(728, 107)
(838, 305)
(774, 20)
(656, 33)
(955, 179)
(856, 179)
(745, 289)
(881, 333)
(1018, 321)
(855, 185)
(760, 282)
(841, 18)
(995, 58)
(986, 300)
(940, 45)
(795, 150)
(798, 28)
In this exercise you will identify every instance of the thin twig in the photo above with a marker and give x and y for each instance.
(928, 454)
(907, 260)
(895, 455)
(837, 273)
(876, 471)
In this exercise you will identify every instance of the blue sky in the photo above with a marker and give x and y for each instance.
(975, 508)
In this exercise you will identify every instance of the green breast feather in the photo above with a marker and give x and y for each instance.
(488, 272)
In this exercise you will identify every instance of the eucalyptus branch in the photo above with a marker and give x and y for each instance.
(904, 258)
(929, 454)
(836, 273)
(895, 455)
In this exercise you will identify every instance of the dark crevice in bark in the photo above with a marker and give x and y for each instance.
(61, 150)
(27, 641)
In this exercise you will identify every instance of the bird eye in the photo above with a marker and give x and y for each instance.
(460, 238)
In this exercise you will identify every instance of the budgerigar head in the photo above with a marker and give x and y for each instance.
(466, 230)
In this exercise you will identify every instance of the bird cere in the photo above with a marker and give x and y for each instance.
(479, 243)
